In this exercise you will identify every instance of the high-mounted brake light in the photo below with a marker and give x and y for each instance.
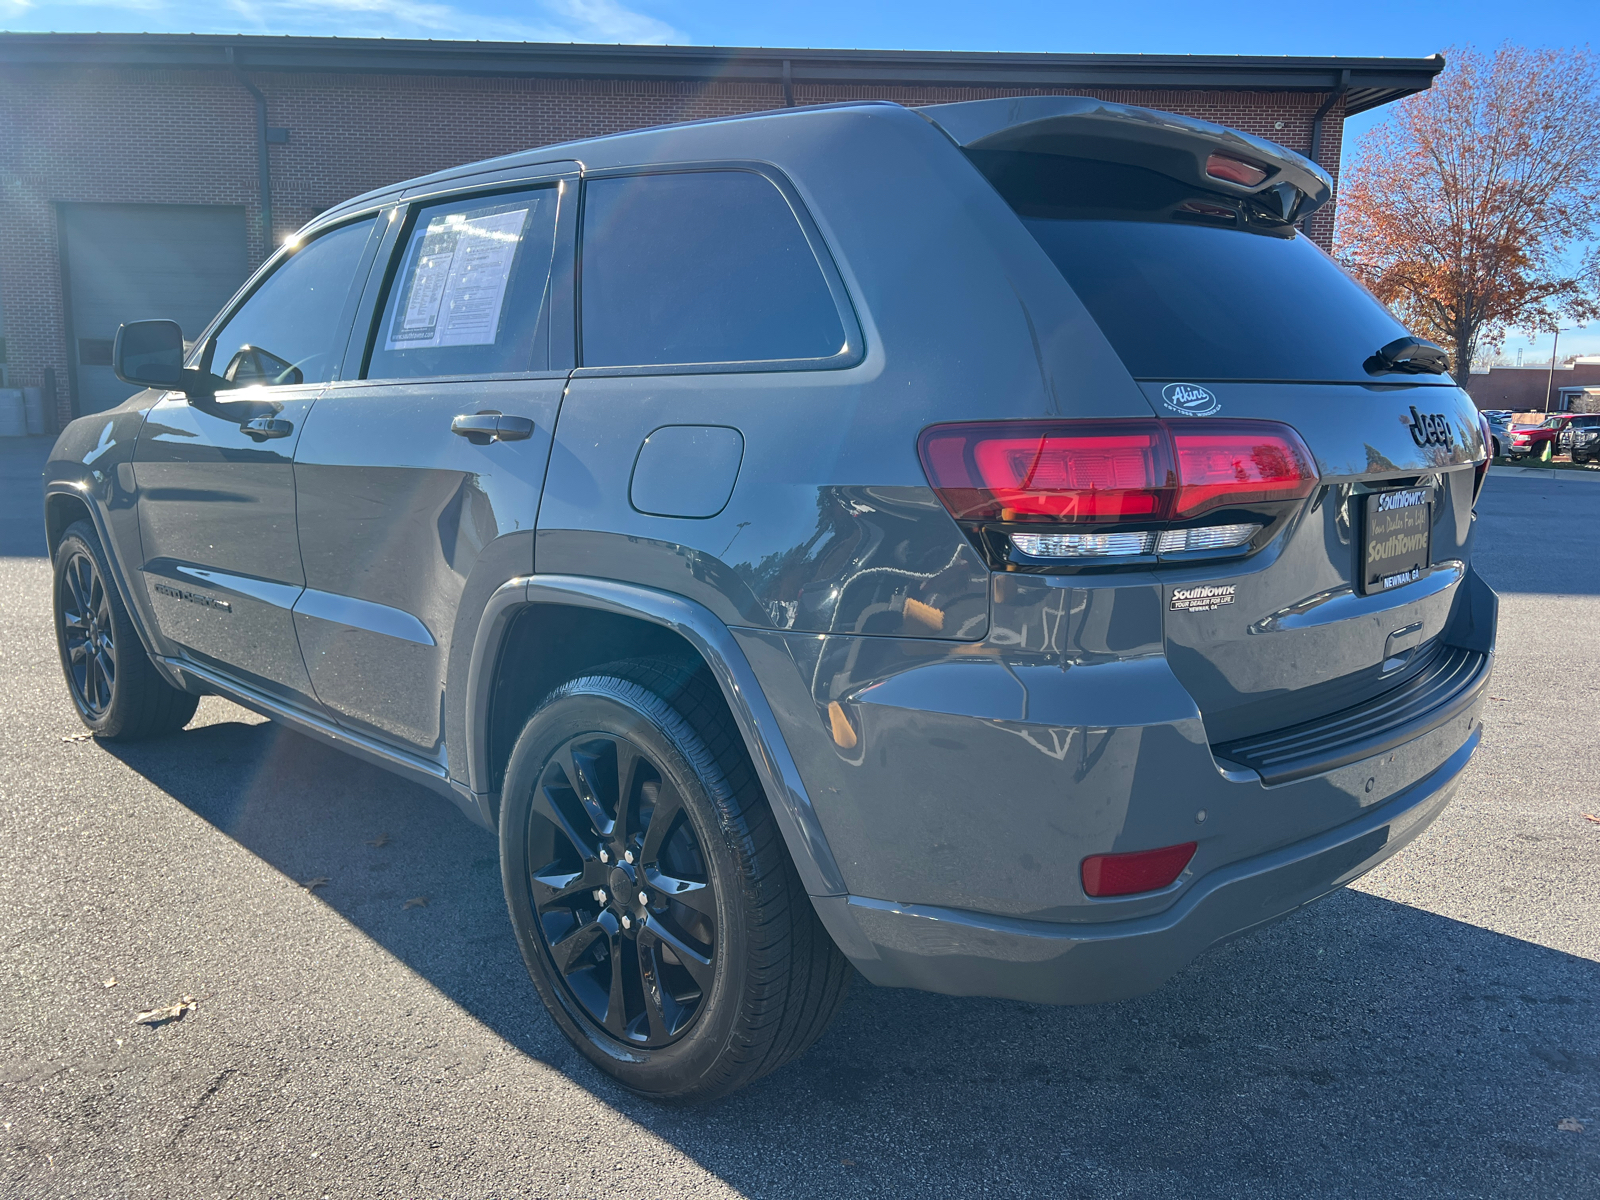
(1142, 871)
(1111, 489)
(1233, 170)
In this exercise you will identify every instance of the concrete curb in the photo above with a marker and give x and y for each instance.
(1589, 476)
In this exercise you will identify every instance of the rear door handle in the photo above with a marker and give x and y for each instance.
(263, 428)
(482, 428)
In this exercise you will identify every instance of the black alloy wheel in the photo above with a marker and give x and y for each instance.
(115, 687)
(88, 639)
(653, 899)
(623, 897)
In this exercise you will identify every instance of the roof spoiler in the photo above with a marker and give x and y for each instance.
(1290, 187)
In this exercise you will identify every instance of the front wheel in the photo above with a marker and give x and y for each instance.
(113, 684)
(651, 894)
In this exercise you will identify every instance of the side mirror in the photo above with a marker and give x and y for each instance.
(149, 354)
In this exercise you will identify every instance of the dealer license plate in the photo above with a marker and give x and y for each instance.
(1397, 539)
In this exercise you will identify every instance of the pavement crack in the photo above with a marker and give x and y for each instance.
(212, 1089)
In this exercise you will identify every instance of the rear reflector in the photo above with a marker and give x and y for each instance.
(1142, 871)
(1232, 170)
(1141, 473)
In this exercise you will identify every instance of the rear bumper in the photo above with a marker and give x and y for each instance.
(972, 954)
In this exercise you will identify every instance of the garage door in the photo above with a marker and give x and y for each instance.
(131, 262)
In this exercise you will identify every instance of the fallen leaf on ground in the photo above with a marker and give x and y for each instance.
(171, 1012)
(1502, 699)
(416, 902)
(110, 983)
(312, 885)
(77, 737)
(1570, 1125)
(381, 840)
(1591, 817)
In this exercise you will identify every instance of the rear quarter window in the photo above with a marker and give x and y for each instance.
(700, 267)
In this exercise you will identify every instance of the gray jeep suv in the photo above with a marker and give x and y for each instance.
(987, 547)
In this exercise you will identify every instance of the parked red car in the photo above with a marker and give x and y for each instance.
(1534, 435)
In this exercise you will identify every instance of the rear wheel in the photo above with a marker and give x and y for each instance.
(115, 687)
(652, 897)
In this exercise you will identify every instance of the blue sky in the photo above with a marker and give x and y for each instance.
(1355, 27)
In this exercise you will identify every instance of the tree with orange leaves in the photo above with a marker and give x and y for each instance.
(1461, 210)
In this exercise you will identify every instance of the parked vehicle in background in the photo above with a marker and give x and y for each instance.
(1562, 423)
(1499, 414)
(849, 572)
(1584, 432)
(1533, 435)
(1499, 433)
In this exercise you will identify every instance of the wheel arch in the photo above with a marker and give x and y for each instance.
(65, 504)
(63, 508)
(539, 631)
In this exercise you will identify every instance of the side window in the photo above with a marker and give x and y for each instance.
(700, 267)
(470, 290)
(288, 331)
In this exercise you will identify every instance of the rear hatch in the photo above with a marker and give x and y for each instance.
(1184, 242)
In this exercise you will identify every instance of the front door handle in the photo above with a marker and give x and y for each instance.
(484, 427)
(263, 428)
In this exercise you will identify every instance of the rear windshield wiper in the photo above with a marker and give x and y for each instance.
(1409, 356)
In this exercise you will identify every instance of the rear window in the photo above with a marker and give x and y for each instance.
(1192, 285)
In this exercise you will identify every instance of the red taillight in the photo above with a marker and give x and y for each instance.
(1239, 465)
(1220, 166)
(1112, 472)
(1141, 871)
(1083, 475)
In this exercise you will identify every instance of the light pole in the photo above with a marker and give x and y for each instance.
(1550, 376)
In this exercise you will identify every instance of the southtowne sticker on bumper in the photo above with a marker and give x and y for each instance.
(1203, 598)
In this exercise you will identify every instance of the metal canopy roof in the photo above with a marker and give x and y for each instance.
(1371, 81)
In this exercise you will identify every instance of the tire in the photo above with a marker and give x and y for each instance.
(114, 686)
(721, 972)
(1495, 444)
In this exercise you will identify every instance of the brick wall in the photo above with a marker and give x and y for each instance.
(1529, 388)
(126, 135)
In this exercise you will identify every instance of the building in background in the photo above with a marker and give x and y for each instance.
(1570, 387)
(145, 175)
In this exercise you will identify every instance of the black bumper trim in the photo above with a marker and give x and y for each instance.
(1447, 686)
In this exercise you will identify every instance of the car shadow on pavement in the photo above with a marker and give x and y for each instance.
(1358, 1041)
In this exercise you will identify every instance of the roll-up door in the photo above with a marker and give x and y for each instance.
(132, 262)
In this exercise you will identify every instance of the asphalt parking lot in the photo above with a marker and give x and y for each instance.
(1424, 1033)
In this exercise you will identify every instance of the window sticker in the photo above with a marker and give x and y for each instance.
(458, 281)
